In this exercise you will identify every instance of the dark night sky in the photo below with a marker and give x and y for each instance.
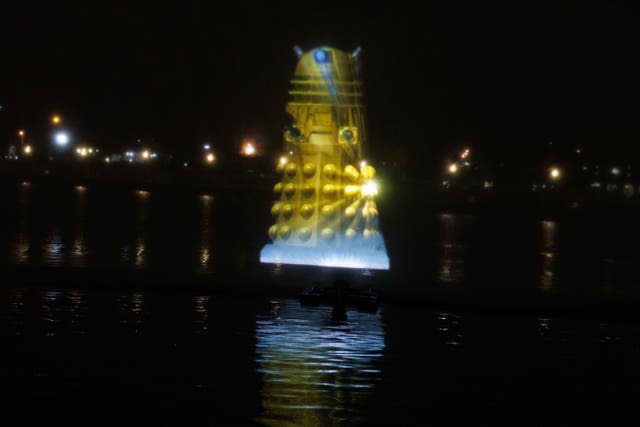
(504, 78)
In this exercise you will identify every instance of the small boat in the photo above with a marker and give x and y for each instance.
(341, 295)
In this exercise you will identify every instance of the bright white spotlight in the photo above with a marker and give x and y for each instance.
(369, 188)
(62, 139)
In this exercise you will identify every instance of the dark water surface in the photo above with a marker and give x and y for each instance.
(129, 352)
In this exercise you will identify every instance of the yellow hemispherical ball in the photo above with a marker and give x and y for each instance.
(309, 170)
(368, 172)
(308, 190)
(273, 232)
(304, 234)
(329, 190)
(351, 172)
(327, 233)
(350, 211)
(284, 232)
(289, 189)
(291, 169)
(277, 188)
(330, 171)
(287, 210)
(306, 210)
(327, 210)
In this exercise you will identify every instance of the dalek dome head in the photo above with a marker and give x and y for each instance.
(322, 61)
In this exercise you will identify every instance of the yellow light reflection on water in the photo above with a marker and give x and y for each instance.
(548, 253)
(317, 366)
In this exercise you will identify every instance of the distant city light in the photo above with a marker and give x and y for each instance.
(27, 149)
(465, 153)
(207, 146)
(554, 173)
(283, 160)
(145, 154)
(615, 171)
(84, 151)
(62, 139)
(248, 149)
(363, 164)
(453, 168)
(56, 120)
(210, 158)
(21, 132)
(107, 159)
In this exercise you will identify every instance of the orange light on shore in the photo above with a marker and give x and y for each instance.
(56, 120)
(248, 149)
(555, 173)
(21, 132)
(210, 158)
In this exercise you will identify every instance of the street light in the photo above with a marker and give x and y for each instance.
(61, 139)
(555, 173)
(56, 119)
(21, 133)
(248, 149)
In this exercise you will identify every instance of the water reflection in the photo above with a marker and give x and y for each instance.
(79, 311)
(549, 255)
(201, 319)
(131, 311)
(204, 255)
(136, 251)
(544, 326)
(449, 328)
(21, 247)
(140, 258)
(15, 315)
(49, 311)
(315, 370)
(78, 256)
(451, 270)
(54, 248)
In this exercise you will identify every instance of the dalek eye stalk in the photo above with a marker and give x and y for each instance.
(324, 206)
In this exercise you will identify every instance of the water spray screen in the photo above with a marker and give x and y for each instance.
(324, 211)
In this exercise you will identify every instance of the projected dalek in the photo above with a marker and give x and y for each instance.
(326, 192)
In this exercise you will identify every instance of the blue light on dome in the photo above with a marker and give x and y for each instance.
(321, 56)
